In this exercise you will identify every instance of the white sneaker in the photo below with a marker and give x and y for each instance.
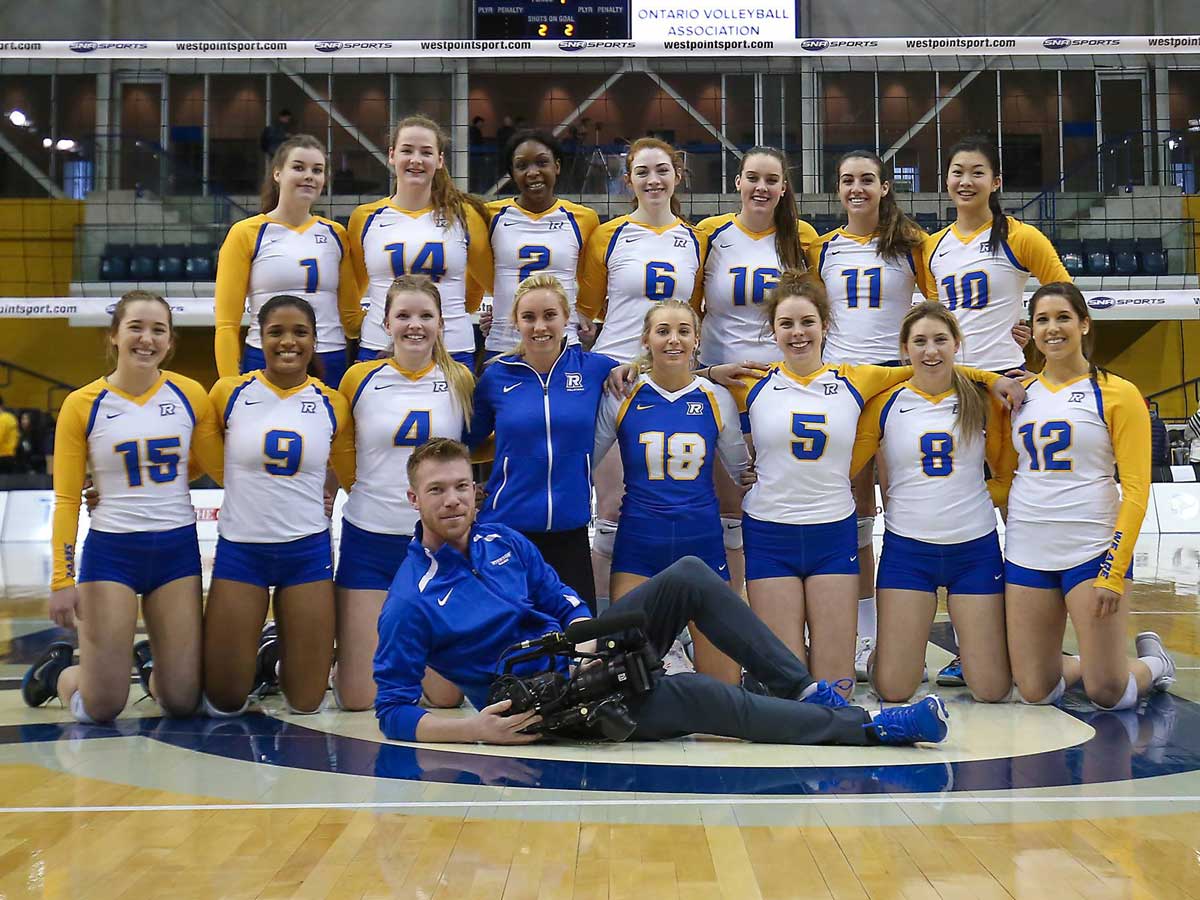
(862, 653)
(676, 660)
(1150, 644)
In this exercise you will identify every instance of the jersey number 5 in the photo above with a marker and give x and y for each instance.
(1059, 433)
(684, 457)
(282, 452)
(810, 442)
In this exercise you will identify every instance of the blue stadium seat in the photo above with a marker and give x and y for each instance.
(114, 262)
(1153, 257)
(1071, 254)
(1125, 256)
(143, 263)
(199, 264)
(170, 262)
(928, 221)
(1097, 259)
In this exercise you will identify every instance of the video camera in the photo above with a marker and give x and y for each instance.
(590, 704)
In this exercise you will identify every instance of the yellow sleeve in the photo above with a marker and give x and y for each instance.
(1034, 251)
(1129, 427)
(218, 397)
(742, 387)
(70, 469)
(588, 221)
(206, 453)
(930, 286)
(980, 376)
(341, 451)
(921, 270)
(697, 298)
(808, 238)
(358, 261)
(233, 282)
(350, 309)
(593, 273)
(481, 267)
(872, 380)
(999, 452)
(10, 434)
(866, 440)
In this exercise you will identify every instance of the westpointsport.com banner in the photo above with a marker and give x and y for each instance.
(470, 49)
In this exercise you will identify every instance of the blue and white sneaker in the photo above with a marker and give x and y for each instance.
(952, 674)
(40, 683)
(925, 722)
(823, 693)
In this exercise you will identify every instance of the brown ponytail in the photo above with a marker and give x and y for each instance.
(786, 216)
(898, 234)
(448, 201)
(648, 143)
(980, 144)
(268, 196)
(1078, 304)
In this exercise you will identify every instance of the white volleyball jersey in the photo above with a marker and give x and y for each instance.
(1064, 507)
(803, 430)
(742, 265)
(869, 296)
(394, 411)
(525, 244)
(935, 478)
(277, 448)
(388, 242)
(628, 268)
(986, 290)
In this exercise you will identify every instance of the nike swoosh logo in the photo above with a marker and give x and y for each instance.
(943, 253)
(383, 387)
(910, 409)
(721, 568)
(646, 406)
(854, 558)
(724, 246)
(386, 224)
(113, 415)
(506, 224)
(997, 577)
(779, 387)
(627, 240)
(442, 600)
(253, 402)
(511, 387)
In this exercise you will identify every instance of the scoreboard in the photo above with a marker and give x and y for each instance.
(552, 20)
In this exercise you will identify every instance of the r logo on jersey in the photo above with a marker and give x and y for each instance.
(830, 390)
(308, 407)
(440, 387)
(166, 409)
(1076, 397)
(680, 242)
(695, 409)
(574, 381)
(556, 226)
(321, 238)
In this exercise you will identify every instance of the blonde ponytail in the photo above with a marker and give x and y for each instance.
(461, 381)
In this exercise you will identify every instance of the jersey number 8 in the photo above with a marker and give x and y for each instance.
(283, 451)
(937, 454)
(684, 457)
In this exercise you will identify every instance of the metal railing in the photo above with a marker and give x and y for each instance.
(53, 384)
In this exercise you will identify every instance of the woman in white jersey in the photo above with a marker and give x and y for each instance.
(746, 252)
(137, 430)
(801, 537)
(1068, 545)
(534, 233)
(631, 263)
(870, 268)
(397, 404)
(287, 250)
(941, 523)
(283, 428)
(427, 227)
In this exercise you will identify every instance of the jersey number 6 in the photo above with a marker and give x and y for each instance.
(660, 281)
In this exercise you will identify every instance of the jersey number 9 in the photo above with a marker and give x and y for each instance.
(660, 281)
(683, 459)
(162, 465)
(283, 451)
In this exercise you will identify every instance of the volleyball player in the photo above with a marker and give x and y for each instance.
(870, 268)
(1070, 532)
(138, 430)
(801, 534)
(426, 227)
(287, 250)
(746, 252)
(535, 233)
(396, 404)
(940, 520)
(541, 401)
(631, 263)
(283, 428)
(670, 431)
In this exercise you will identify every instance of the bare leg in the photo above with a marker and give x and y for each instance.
(832, 617)
(233, 620)
(979, 623)
(779, 602)
(1036, 619)
(175, 623)
(357, 638)
(899, 660)
(107, 621)
(305, 616)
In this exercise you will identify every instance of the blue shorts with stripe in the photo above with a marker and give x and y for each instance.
(333, 363)
(280, 565)
(143, 560)
(1062, 580)
(646, 545)
(367, 560)
(969, 567)
(779, 550)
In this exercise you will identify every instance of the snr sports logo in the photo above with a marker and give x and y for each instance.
(816, 45)
(1062, 43)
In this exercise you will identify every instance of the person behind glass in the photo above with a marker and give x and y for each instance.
(670, 431)
(630, 264)
(799, 519)
(397, 404)
(31, 453)
(426, 227)
(535, 233)
(869, 268)
(283, 429)
(138, 430)
(453, 608)
(933, 433)
(541, 402)
(287, 250)
(1070, 533)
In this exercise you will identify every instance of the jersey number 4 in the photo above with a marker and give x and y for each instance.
(683, 457)
(1058, 435)
(430, 260)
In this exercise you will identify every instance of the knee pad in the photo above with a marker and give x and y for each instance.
(213, 713)
(1128, 699)
(866, 530)
(731, 532)
(606, 534)
(1050, 699)
(78, 711)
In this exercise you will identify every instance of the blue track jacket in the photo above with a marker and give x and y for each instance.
(545, 425)
(458, 614)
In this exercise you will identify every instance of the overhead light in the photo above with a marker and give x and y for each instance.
(47, 143)
(19, 119)
(1173, 142)
(65, 144)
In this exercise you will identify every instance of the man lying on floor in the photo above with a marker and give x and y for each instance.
(465, 593)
